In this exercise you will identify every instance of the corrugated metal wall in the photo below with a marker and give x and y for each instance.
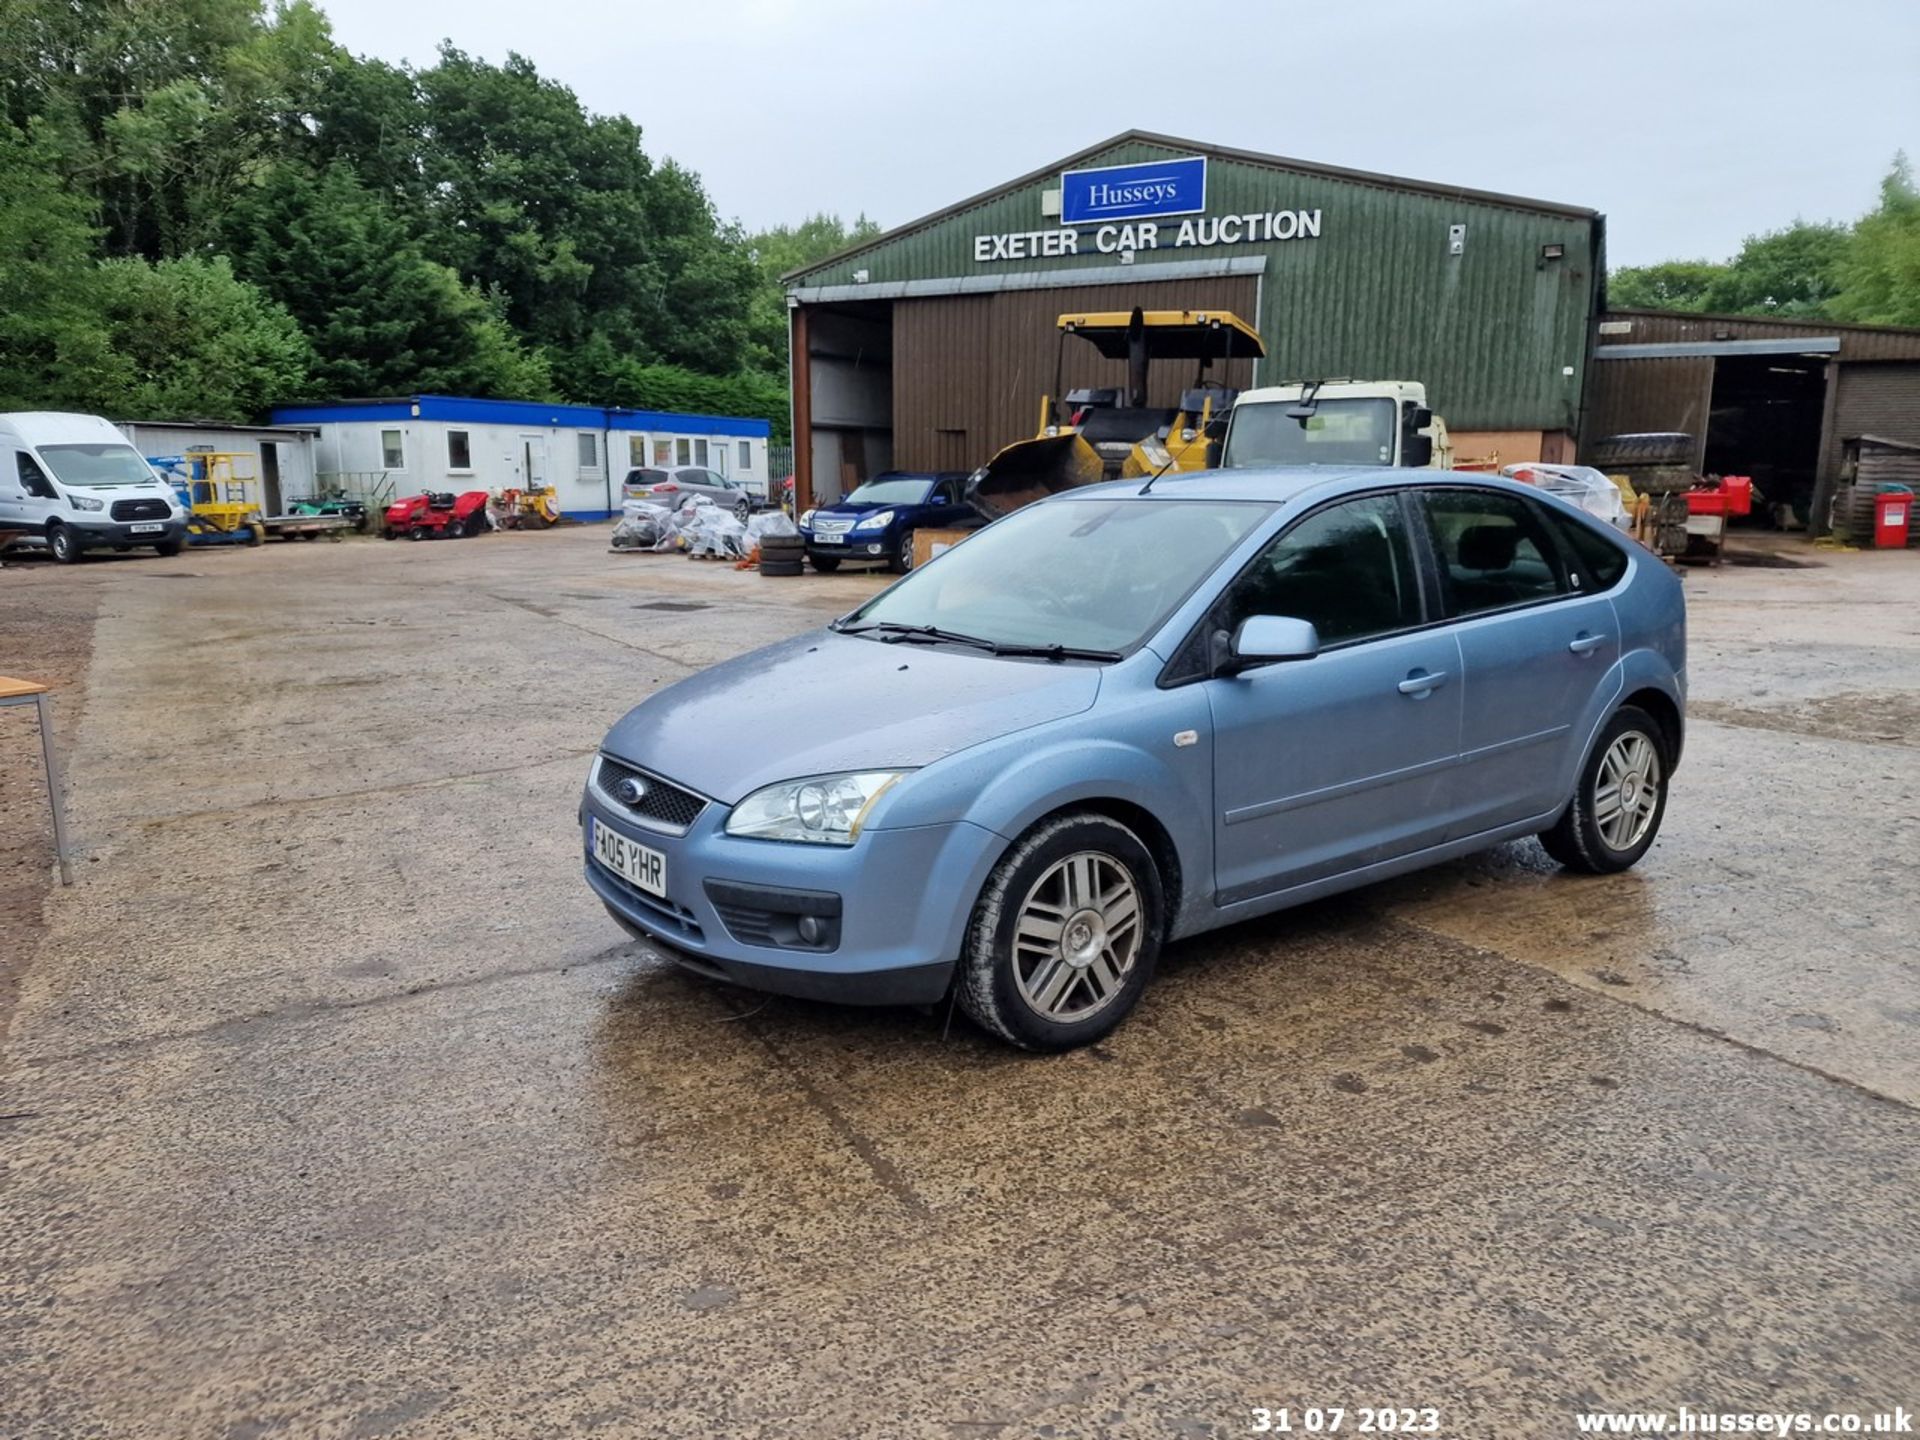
(1881, 400)
(1499, 333)
(969, 370)
(1660, 327)
(1625, 397)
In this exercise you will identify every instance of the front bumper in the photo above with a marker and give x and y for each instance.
(95, 533)
(905, 897)
(855, 547)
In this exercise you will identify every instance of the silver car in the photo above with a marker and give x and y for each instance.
(1132, 713)
(672, 484)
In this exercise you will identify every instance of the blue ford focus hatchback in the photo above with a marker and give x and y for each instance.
(1135, 712)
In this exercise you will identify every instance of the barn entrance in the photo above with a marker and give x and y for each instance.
(1764, 421)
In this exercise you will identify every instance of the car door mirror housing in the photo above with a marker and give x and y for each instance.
(1264, 638)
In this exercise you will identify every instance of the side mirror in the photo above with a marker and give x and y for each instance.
(1264, 638)
(1417, 452)
(1303, 412)
(1422, 418)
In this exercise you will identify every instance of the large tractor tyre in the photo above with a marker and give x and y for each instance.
(1619, 801)
(1663, 480)
(64, 544)
(1664, 447)
(1064, 937)
(825, 564)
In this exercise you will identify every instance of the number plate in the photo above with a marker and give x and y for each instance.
(829, 539)
(146, 529)
(630, 860)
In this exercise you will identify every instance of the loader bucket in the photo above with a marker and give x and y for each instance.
(1030, 470)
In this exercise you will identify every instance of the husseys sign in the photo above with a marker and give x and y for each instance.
(1129, 208)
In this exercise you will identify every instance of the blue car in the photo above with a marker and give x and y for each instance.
(876, 522)
(1134, 712)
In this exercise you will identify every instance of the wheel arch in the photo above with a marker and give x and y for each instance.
(1666, 710)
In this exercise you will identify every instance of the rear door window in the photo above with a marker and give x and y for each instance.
(1601, 561)
(1493, 550)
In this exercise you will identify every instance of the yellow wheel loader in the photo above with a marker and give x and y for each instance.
(1112, 433)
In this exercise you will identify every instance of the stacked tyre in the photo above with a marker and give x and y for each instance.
(1657, 462)
(782, 555)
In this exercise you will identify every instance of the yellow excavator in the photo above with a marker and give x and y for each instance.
(1113, 433)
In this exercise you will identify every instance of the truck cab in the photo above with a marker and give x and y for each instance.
(74, 482)
(1336, 422)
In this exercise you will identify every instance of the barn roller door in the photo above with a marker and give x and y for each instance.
(969, 370)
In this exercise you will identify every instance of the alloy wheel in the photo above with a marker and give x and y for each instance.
(1077, 936)
(1626, 790)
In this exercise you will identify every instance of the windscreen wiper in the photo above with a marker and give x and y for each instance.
(1055, 653)
(893, 631)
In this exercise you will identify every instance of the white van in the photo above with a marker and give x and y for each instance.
(75, 481)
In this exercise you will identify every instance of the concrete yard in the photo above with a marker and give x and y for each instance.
(333, 1105)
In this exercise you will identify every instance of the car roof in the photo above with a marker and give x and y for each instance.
(1279, 483)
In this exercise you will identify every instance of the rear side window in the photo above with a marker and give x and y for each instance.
(1348, 569)
(1494, 551)
(1601, 561)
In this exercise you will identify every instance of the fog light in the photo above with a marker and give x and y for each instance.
(874, 549)
(811, 929)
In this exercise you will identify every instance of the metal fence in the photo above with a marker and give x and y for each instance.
(779, 462)
(373, 488)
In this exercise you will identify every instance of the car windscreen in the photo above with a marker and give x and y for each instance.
(1339, 432)
(105, 464)
(890, 490)
(1086, 574)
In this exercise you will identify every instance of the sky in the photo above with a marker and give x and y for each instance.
(1691, 123)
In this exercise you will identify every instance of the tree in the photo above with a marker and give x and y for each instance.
(1880, 274)
(382, 317)
(54, 348)
(1670, 285)
(1794, 271)
(197, 342)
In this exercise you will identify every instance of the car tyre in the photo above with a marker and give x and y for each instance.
(1627, 769)
(167, 549)
(64, 544)
(901, 561)
(825, 564)
(1065, 934)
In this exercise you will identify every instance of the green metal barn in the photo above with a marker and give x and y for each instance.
(930, 346)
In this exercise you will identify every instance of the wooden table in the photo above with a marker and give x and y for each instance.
(32, 692)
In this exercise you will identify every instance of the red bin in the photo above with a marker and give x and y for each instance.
(1892, 515)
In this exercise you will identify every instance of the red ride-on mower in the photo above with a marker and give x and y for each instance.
(437, 512)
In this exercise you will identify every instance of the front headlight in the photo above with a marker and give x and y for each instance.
(84, 502)
(821, 809)
(876, 522)
(806, 520)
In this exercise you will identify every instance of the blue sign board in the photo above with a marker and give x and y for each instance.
(1134, 192)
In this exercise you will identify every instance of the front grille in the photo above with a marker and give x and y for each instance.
(664, 806)
(140, 510)
(674, 917)
(831, 527)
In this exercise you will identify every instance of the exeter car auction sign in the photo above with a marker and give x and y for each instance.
(1128, 202)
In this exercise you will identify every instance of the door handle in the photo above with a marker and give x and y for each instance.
(1583, 643)
(1423, 682)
